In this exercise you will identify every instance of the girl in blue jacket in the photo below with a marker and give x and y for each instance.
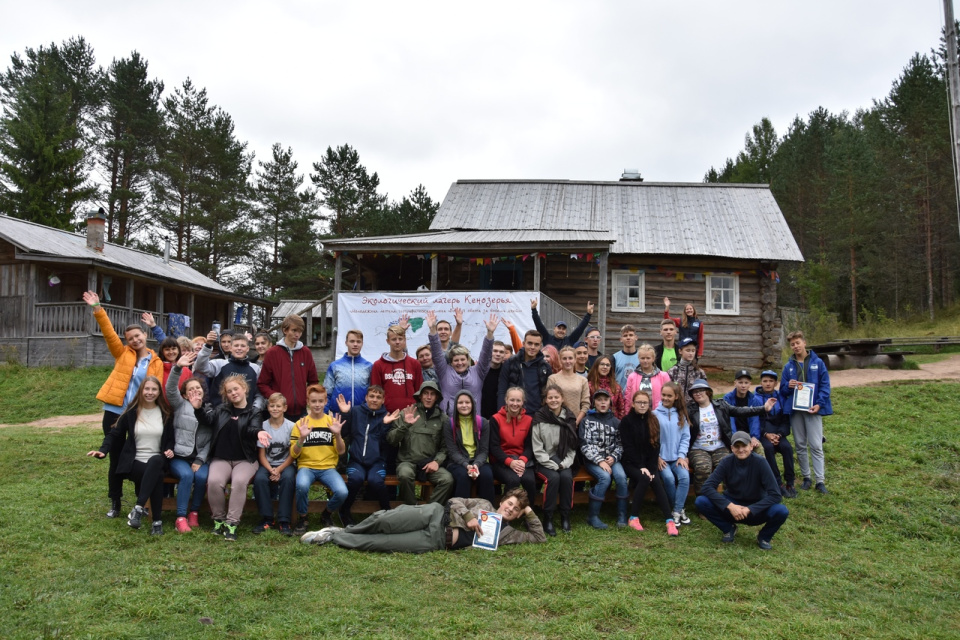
(674, 443)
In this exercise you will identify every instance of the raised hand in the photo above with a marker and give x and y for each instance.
(506, 323)
(458, 315)
(212, 338)
(390, 417)
(491, 324)
(770, 404)
(91, 298)
(303, 426)
(336, 424)
(410, 414)
(148, 320)
(195, 398)
(404, 321)
(590, 308)
(187, 359)
(533, 303)
(343, 404)
(666, 303)
(432, 321)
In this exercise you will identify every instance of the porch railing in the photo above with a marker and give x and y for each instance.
(70, 318)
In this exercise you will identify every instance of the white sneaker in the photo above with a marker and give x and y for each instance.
(319, 537)
(678, 518)
(683, 517)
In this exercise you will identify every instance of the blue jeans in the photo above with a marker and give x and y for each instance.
(329, 478)
(676, 482)
(599, 488)
(183, 471)
(261, 493)
(772, 519)
(374, 476)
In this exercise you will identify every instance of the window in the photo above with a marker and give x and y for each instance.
(723, 294)
(628, 291)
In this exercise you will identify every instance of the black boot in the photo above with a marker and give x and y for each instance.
(548, 523)
(565, 522)
(115, 508)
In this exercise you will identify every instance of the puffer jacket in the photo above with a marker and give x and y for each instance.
(115, 388)
(191, 439)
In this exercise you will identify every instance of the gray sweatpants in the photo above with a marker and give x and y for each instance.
(808, 434)
(406, 529)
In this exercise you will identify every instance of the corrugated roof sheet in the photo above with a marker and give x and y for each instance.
(439, 239)
(289, 307)
(734, 221)
(41, 240)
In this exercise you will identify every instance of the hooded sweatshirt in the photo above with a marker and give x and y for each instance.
(288, 371)
(453, 436)
(400, 379)
(451, 382)
(365, 432)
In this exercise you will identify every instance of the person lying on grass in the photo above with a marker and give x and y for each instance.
(431, 527)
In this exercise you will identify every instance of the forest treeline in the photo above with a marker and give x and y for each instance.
(870, 198)
(75, 136)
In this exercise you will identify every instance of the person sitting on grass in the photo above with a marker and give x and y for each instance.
(640, 436)
(133, 362)
(467, 438)
(276, 470)
(774, 429)
(316, 444)
(750, 494)
(236, 431)
(366, 429)
(431, 527)
(602, 450)
(144, 437)
(418, 436)
(686, 372)
(191, 451)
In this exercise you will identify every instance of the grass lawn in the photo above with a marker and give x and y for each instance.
(878, 557)
(33, 393)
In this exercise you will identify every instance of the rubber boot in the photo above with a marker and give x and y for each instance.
(593, 514)
(621, 512)
(565, 522)
(548, 523)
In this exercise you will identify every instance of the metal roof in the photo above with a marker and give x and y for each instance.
(39, 241)
(469, 239)
(289, 307)
(722, 220)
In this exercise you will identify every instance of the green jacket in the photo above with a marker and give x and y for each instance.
(421, 441)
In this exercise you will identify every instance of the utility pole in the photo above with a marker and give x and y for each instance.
(953, 82)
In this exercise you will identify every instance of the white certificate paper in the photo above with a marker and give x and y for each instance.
(803, 396)
(490, 524)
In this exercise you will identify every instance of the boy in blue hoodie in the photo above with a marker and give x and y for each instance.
(366, 461)
(741, 396)
(774, 429)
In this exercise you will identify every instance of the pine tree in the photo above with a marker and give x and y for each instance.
(348, 192)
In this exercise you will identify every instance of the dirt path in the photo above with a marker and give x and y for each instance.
(947, 369)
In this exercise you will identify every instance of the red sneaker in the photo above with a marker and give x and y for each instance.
(634, 523)
(182, 526)
(193, 519)
(672, 528)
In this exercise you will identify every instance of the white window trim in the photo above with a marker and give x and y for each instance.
(736, 296)
(613, 290)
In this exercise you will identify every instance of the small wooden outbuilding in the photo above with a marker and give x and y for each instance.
(624, 245)
(44, 271)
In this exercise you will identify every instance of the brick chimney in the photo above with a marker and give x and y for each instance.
(96, 226)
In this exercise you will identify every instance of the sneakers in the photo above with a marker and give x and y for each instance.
(822, 488)
(319, 537)
(157, 529)
(181, 525)
(115, 508)
(302, 525)
(217, 528)
(788, 491)
(672, 528)
(676, 518)
(229, 531)
(193, 519)
(634, 523)
(806, 485)
(285, 529)
(730, 536)
(683, 517)
(137, 514)
(265, 525)
(764, 544)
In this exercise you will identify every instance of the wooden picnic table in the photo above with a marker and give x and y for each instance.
(859, 354)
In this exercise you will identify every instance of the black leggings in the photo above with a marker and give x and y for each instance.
(114, 481)
(643, 482)
(148, 479)
(509, 479)
(555, 482)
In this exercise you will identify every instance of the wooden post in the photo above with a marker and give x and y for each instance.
(159, 303)
(129, 319)
(536, 272)
(190, 310)
(602, 299)
(308, 338)
(337, 281)
(228, 321)
(434, 270)
(323, 324)
(953, 86)
(29, 325)
(92, 286)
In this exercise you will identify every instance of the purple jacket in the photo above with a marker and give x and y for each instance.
(451, 382)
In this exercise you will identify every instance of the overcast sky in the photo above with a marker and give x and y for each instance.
(432, 92)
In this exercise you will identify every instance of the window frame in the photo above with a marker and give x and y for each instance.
(614, 273)
(709, 295)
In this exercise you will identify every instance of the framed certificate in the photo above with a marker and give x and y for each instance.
(803, 396)
(490, 524)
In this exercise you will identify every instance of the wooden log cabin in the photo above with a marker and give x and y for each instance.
(624, 245)
(44, 271)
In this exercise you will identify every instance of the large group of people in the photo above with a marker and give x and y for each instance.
(213, 413)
